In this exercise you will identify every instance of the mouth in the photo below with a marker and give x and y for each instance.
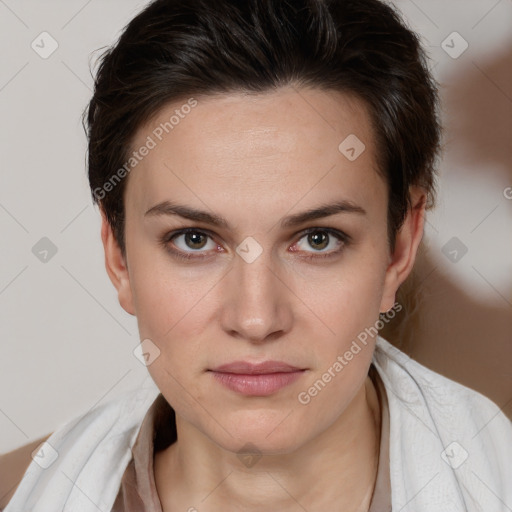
(260, 379)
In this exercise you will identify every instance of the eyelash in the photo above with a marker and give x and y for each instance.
(168, 237)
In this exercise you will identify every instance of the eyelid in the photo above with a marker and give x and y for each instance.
(332, 231)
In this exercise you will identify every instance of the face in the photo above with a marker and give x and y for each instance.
(252, 279)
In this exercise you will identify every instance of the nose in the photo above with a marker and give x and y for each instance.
(257, 302)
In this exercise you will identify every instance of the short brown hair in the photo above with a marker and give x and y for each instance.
(175, 49)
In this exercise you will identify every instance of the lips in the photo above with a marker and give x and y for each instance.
(260, 379)
(246, 368)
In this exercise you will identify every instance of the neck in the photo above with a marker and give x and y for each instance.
(336, 470)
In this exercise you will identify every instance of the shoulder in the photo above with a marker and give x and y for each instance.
(12, 468)
(90, 446)
(412, 380)
(460, 426)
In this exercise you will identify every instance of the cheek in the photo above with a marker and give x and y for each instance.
(350, 308)
(349, 301)
(165, 293)
(175, 322)
(172, 312)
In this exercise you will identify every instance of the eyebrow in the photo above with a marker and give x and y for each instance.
(326, 210)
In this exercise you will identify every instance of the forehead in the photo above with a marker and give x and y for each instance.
(268, 149)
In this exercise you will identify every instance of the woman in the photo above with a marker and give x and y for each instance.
(263, 170)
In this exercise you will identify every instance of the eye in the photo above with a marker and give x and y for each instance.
(321, 239)
(190, 243)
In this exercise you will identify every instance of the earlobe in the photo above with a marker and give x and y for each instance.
(408, 240)
(116, 266)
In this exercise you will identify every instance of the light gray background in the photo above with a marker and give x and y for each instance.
(66, 344)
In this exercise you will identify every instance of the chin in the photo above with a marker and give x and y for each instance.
(261, 446)
(265, 438)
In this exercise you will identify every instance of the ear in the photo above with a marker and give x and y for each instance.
(407, 242)
(116, 267)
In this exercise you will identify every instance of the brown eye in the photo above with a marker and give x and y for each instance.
(321, 243)
(195, 240)
(190, 243)
(318, 239)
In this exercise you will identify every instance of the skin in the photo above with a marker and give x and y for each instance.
(255, 160)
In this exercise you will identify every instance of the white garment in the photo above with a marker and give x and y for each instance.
(450, 447)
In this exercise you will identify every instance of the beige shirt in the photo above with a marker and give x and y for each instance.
(138, 493)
